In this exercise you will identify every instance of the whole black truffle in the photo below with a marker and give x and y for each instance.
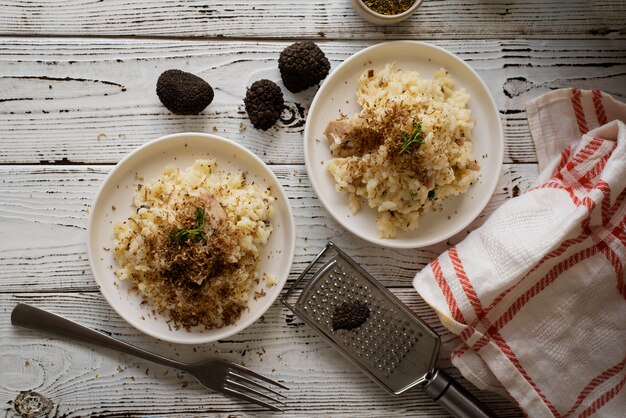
(302, 65)
(264, 104)
(183, 93)
(350, 315)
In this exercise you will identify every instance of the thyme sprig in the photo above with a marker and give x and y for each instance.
(416, 137)
(193, 235)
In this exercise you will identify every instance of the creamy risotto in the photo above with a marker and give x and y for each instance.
(193, 242)
(408, 149)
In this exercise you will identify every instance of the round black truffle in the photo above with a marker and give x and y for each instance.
(264, 104)
(183, 93)
(302, 65)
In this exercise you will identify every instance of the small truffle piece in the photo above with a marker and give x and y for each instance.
(264, 103)
(302, 65)
(183, 93)
(350, 315)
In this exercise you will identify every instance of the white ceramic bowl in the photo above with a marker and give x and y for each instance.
(381, 19)
(148, 162)
(337, 96)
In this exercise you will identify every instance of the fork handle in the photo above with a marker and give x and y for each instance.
(29, 317)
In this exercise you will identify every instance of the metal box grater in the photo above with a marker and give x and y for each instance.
(393, 346)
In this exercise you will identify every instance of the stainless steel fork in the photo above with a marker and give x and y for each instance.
(221, 376)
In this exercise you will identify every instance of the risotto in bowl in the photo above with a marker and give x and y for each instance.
(191, 238)
(407, 150)
(403, 144)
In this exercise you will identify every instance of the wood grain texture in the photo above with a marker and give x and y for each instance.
(435, 19)
(278, 345)
(44, 211)
(77, 81)
(93, 101)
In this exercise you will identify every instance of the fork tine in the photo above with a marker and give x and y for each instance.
(245, 370)
(245, 388)
(255, 384)
(243, 396)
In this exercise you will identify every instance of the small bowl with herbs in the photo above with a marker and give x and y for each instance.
(386, 12)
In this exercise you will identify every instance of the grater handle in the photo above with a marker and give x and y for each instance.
(454, 397)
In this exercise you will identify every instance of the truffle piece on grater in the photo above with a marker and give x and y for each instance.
(350, 315)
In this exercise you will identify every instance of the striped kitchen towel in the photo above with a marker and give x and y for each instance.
(537, 294)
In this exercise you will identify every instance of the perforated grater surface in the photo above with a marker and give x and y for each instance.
(393, 346)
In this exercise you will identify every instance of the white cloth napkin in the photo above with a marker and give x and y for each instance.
(538, 293)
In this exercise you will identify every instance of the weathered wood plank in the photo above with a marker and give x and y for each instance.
(93, 101)
(83, 380)
(436, 19)
(43, 215)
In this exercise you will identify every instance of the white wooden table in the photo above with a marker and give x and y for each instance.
(77, 93)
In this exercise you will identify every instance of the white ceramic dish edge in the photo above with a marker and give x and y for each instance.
(497, 159)
(191, 337)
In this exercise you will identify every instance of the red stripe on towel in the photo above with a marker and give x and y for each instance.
(597, 103)
(447, 292)
(506, 349)
(564, 157)
(578, 111)
(614, 207)
(587, 151)
(619, 233)
(469, 290)
(586, 201)
(544, 282)
(587, 180)
(602, 400)
(595, 382)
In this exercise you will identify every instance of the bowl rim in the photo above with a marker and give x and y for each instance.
(406, 13)
(289, 215)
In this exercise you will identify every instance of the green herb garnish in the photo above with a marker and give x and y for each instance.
(416, 137)
(193, 235)
(431, 193)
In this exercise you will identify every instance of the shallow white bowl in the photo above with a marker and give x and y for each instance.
(148, 162)
(337, 96)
